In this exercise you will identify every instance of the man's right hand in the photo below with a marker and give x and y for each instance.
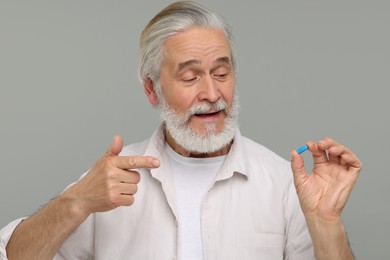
(111, 182)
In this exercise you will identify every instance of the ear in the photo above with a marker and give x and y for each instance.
(149, 91)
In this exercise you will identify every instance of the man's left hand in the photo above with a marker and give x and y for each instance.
(324, 193)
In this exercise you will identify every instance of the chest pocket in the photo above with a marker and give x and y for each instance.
(260, 246)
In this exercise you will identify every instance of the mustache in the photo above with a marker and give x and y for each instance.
(168, 113)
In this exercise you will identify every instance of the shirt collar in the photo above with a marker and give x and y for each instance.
(235, 162)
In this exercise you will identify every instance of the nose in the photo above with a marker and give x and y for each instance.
(209, 90)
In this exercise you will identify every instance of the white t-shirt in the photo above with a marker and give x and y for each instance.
(193, 177)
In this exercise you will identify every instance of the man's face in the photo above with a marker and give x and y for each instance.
(197, 68)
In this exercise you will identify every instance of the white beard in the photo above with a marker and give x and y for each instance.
(179, 128)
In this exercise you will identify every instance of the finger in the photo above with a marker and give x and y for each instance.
(334, 153)
(339, 153)
(125, 200)
(128, 176)
(127, 188)
(327, 143)
(122, 195)
(136, 162)
(351, 161)
(319, 155)
(116, 146)
(298, 167)
(335, 149)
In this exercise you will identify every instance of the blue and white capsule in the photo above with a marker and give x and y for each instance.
(302, 149)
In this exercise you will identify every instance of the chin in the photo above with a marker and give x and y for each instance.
(207, 129)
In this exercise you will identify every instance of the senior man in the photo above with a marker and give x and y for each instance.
(203, 191)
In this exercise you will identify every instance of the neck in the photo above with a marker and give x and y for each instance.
(180, 150)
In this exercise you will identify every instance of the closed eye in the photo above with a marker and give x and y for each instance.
(221, 72)
(221, 76)
(189, 79)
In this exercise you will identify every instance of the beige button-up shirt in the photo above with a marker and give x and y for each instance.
(250, 212)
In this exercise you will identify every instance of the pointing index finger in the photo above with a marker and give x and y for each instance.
(136, 162)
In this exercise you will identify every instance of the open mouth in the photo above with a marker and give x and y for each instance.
(208, 114)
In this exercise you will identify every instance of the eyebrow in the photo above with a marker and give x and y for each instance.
(225, 60)
(188, 63)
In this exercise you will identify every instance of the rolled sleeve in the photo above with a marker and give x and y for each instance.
(5, 236)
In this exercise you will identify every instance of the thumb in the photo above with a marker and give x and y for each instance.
(298, 167)
(116, 146)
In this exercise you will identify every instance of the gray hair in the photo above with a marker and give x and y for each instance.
(175, 18)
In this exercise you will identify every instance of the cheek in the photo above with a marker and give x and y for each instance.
(228, 93)
(181, 101)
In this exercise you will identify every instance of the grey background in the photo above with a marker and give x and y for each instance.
(307, 70)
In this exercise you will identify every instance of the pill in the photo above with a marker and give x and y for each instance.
(302, 149)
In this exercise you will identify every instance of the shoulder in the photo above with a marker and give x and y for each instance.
(261, 153)
(265, 161)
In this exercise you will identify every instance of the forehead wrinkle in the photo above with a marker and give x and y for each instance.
(182, 51)
(197, 49)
